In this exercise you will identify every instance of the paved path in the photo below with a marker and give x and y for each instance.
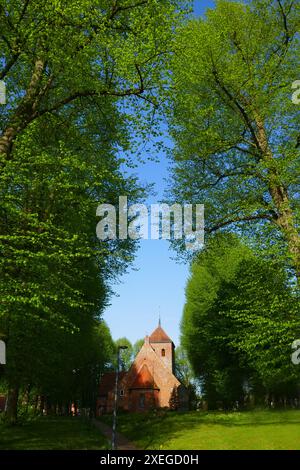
(122, 442)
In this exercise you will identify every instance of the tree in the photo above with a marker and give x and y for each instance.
(66, 66)
(174, 400)
(55, 275)
(137, 347)
(234, 124)
(94, 357)
(264, 312)
(240, 319)
(186, 376)
(126, 354)
(65, 54)
(183, 370)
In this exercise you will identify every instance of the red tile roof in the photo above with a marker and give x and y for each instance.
(144, 379)
(159, 336)
(107, 382)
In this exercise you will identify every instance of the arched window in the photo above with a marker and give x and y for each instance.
(163, 352)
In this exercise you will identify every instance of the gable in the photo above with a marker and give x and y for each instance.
(144, 379)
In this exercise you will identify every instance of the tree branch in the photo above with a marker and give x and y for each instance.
(90, 93)
(8, 66)
(117, 9)
(216, 227)
(23, 12)
(243, 112)
(285, 21)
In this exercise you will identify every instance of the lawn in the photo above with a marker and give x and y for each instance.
(52, 434)
(270, 430)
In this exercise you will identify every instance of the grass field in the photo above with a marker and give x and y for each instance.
(180, 431)
(52, 434)
(270, 430)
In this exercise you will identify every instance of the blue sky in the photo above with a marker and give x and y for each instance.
(156, 282)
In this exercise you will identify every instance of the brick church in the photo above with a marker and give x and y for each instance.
(149, 383)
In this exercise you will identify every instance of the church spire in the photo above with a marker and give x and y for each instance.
(159, 320)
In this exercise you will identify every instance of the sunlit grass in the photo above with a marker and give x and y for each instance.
(270, 430)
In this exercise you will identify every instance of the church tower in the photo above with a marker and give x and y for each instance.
(163, 347)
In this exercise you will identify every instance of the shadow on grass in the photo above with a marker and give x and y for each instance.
(52, 434)
(155, 431)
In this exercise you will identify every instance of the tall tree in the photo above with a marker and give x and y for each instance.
(66, 65)
(54, 275)
(240, 319)
(234, 124)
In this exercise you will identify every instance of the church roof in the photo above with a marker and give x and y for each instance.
(144, 379)
(107, 382)
(159, 336)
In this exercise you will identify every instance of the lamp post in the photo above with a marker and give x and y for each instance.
(113, 439)
(2, 364)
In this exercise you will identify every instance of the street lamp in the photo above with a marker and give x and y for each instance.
(113, 440)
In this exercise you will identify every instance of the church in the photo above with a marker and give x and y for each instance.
(149, 383)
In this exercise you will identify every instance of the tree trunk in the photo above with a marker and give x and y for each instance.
(6, 141)
(11, 412)
(26, 396)
(24, 114)
(284, 218)
(41, 405)
(36, 401)
(286, 223)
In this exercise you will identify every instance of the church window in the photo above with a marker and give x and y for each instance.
(163, 352)
(121, 393)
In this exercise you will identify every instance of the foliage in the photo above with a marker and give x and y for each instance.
(234, 124)
(125, 354)
(128, 355)
(55, 275)
(58, 55)
(137, 346)
(174, 400)
(183, 370)
(66, 66)
(240, 319)
(186, 376)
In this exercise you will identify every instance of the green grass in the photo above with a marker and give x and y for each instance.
(254, 430)
(52, 434)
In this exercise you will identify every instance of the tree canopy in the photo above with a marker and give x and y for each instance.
(234, 124)
(68, 67)
(240, 319)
